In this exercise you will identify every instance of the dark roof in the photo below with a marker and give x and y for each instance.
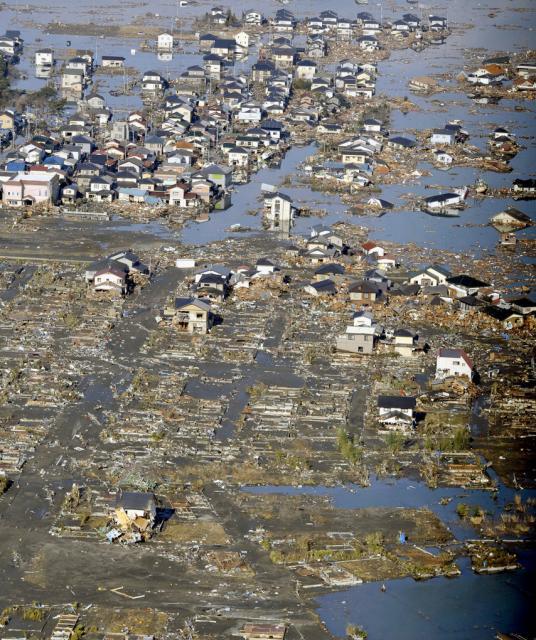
(330, 269)
(221, 43)
(523, 302)
(211, 278)
(471, 301)
(456, 353)
(467, 281)
(363, 287)
(404, 333)
(107, 264)
(135, 500)
(403, 142)
(499, 313)
(517, 214)
(324, 286)
(396, 402)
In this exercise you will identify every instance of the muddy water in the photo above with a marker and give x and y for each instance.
(468, 607)
(399, 225)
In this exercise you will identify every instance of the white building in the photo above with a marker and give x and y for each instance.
(164, 42)
(396, 411)
(242, 39)
(44, 58)
(453, 362)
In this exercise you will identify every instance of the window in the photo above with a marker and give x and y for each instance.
(198, 315)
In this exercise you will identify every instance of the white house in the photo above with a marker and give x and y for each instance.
(431, 276)
(110, 279)
(305, 70)
(281, 208)
(250, 112)
(453, 362)
(442, 157)
(242, 39)
(396, 411)
(164, 42)
(442, 136)
(238, 157)
(44, 58)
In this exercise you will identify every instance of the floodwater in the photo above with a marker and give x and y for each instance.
(470, 606)
(410, 494)
(475, 26)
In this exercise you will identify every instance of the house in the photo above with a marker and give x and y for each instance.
(95, 101)
(432, 276)
(464, 285)
(152, 82)
(252, 17)
(110, 278)
(365, 292)
(135, 508)
(284, 21)
(191, 314)
(524, 306)
(400, 26)
(368, 43)
(404, 342)
(262, 71)
(442, 136)
(453, 362)
(112, 62)
(437, 23)
(524, 187)
(8, 119)
(507, 318)
(305, 70)
(223, 47)
(358, 339)
(242, 40)
(44, 58)
(28, 188)
(322, 288)
(396, 411)
(371, 125)
(443, 201)
(249, 112)
(332, 271)
(130, 260)
(442, 157)
(385, 262)
(72, 80)
(511, 217)
(238, 157)
(283, 57)
(372, 248)
(213, 286)
(401, 143)
(281, 209)
(220, 176)
(164, 42)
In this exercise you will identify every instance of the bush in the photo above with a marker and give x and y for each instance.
(347, 448)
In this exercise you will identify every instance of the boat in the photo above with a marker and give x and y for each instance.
(361, 1)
